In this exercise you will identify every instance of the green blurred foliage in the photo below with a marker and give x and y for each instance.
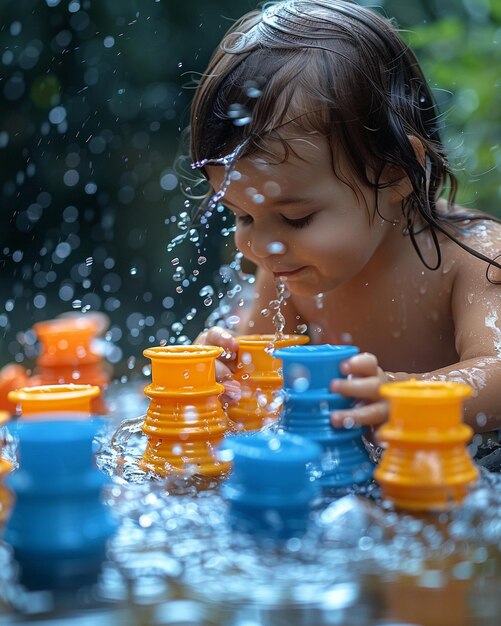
(459, 47)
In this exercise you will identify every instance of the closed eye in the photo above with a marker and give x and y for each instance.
(243, 219)
(301, 222)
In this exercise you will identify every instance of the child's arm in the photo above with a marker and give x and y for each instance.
(476, 314)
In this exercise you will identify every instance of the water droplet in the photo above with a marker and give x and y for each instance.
(276, 247)
(301, 384)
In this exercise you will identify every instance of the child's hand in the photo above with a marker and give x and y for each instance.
(221, 337)
(363, 382)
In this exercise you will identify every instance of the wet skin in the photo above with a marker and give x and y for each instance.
(406, 319)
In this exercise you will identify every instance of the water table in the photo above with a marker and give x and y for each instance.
(177, 557)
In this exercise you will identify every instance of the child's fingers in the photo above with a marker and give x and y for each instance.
(232, 392)
(366, 415)
(223, 372)
(364, 364)
(360, 388)
(217, 336)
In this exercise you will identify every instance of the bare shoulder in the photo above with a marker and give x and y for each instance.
(474, 230)
(480, 243)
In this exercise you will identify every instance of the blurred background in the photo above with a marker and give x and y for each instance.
(95, 97)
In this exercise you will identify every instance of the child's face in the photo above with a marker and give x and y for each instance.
(298, 220)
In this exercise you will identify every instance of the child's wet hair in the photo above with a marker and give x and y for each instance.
(343, 71)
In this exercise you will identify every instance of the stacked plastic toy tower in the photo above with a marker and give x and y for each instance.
(270, 489)
(308, 403)
(67, 355)
(260, 380)
(185, 420)
(425, 465)
(59, 524)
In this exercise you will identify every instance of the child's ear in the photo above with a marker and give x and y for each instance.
(397, 180)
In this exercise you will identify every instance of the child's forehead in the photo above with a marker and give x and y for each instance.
(290, 161)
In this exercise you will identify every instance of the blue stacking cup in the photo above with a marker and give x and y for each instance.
(271, 486)
(311, 368)
(308, 403)
(59, 525)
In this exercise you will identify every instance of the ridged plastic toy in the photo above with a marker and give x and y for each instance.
(185, 420)
(12, 376)
(425, 465)
(259, 377)
(67, 355)
(47, 399)
(308, 403)
(270, 489)
(59, 525)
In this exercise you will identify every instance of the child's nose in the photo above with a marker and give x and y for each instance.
(265, 246)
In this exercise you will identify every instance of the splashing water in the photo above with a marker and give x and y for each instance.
(278, 318)
(229, 162)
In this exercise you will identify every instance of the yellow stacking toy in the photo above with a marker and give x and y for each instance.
(45, 399)
(259, 377)
(185, 420)
(425, 466)
(67, 356)
(6, 467)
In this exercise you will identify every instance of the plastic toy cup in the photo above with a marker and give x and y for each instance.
(67, 355)
(258, 372)
(308, 403)
(185, 420)
(270, 489)
(313, 367)
(12, 377)
(425, 466)
(59, 525)
(55, 398)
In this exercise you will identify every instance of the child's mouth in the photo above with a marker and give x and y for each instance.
(288, 274)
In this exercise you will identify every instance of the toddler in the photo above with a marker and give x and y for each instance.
(315, 126)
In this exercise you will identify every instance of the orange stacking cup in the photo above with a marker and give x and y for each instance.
(185, 421)
(12, 376)
(67, 356)
(6, 467)
(258, 374)
(55, 399)
(426, 466)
